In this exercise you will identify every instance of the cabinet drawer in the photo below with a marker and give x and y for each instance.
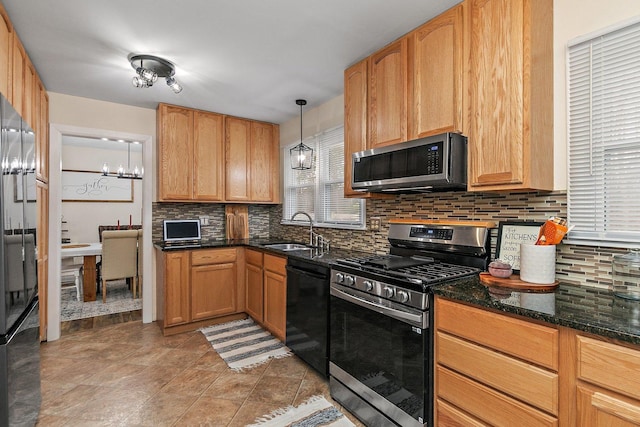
(275, 263)
(450, 416)
(609, 365)
(213, 256)
(529, 341)
(487, 404)
(521, 380)
(253, 257)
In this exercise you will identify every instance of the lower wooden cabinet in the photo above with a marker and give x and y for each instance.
(485, 374)
(196, 288)
(275, 295)
(254, 284)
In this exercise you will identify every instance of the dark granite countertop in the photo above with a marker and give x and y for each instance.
(583, 308)
(322, 257)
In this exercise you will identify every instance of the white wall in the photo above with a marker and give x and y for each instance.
(314, 120)
(83, 218)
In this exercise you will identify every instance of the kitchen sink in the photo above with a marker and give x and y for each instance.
(289, 247)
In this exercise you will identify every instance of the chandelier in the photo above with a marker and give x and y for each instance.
(128, 173)
(149, 68)
(301, 155)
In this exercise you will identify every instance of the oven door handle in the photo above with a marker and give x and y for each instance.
(420, 320)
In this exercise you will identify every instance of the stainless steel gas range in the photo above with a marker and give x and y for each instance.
(381, 343)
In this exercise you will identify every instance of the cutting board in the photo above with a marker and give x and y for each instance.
(237, 221)
(514, 282)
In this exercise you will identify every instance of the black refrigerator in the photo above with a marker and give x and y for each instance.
(20, 395)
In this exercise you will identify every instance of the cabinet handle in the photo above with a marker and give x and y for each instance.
(616, 407)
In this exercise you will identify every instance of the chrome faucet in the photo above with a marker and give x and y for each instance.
(310, 224)
(315, 240)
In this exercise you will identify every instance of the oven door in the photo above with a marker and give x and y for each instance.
(382, 355)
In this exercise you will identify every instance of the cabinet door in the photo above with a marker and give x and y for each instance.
(238, 176)
(177, 290)
(598, 408)
(17, 76)
(436, 76)
(6, 42)
(28, 105)
(275, 303)
(175, 153)
(355, 118)
(208, 148)
(254, 292)
(388, 95)
(263, 161)
(213, 290)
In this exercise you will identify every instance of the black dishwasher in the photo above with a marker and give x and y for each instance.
(308, 312)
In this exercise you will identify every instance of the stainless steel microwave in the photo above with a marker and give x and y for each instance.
(433, 163)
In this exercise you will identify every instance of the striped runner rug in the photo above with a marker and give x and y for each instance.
(243, 344)
(316, 411)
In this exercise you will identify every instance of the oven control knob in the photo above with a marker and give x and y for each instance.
(340, 277)
(350, 280)
(388, 292)
(403, 296)
(368, 286)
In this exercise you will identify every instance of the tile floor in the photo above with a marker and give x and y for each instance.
(128, 374)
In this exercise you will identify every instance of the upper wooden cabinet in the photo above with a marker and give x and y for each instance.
(199, 151)
(17, 75)
(355, 118)
(6, 52)
(252, 161)
(42, 132)
(387, 104)
(190, 154)
(511, 95)
(436, 76)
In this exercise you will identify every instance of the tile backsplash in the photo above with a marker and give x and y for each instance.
(586, 265)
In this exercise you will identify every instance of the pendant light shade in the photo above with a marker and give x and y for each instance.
(301, 155)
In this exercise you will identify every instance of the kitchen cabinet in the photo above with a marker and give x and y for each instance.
(510, 127)
(197, 288)
(42, 242)
(436, 76)
(190, 154)
(254, 284)
(387, 103)
(42, 132)
(608, 386)
(488, 378)
(213, 283)
(17, 75)
(6, 44)
(275, 295)
(252, 161)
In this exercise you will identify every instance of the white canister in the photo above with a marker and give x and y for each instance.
(538, 263)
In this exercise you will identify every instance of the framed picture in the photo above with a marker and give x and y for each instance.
(510, 235)
(91, 186)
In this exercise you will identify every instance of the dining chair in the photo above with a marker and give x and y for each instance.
(119, 258)
(71, 276)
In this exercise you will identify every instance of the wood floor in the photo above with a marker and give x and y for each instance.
(117, 371)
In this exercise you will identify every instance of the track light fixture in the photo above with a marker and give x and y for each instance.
(149, 68)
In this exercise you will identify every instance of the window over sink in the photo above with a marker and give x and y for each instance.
(319, 191)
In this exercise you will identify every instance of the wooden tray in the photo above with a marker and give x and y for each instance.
(514, 282)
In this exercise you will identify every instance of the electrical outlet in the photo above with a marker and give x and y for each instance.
(374, 224)
(204, 220)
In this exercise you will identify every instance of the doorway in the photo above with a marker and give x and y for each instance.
(60, 135)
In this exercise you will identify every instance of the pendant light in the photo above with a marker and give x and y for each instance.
(136, 173)
(301, 155)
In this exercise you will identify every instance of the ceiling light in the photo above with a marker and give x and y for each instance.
(301, 156)
(149, 68)
(128, 173)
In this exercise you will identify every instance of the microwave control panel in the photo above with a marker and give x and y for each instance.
(434, 158)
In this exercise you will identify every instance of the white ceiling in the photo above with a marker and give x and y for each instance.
(248, 58)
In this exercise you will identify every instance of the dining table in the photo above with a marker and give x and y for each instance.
(89, 252)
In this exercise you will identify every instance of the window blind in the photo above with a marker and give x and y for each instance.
(320, 190)
(604, 137)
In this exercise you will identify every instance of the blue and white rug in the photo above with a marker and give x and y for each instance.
(243, 344)
(316, 411)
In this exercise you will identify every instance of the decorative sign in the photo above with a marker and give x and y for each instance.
(510, 235)
(88, 186)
